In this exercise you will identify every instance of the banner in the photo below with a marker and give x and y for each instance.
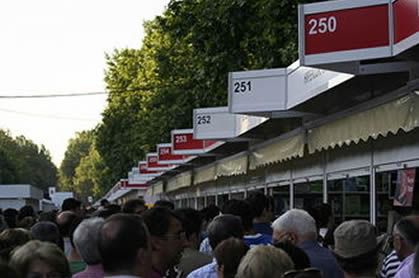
(403, 196)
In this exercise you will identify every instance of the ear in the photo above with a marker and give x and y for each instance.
(156, 243)
(293, 238)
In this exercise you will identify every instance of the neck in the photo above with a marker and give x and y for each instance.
(261, 219)
(158, 263)
(74, 255)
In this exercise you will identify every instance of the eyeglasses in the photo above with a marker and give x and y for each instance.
(312, 271)
(44, 275)
(178, 236)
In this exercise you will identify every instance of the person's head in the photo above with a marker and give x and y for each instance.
(228, 255)
(296, 254)
(296, 226)
(264, 262)
(10, 216)
(86, 237)
(124, 245)
(25, 211)
(356, 247)
(191, 222)
(241, 209)
(167, 237)
(64, 221)
(223, 227)
(208, 213)
(406, 236)
(40, 258)
(134, 206)
(71, 204)
(47, 231)
(165, 204)
(109, 210)
(12, 238)
(104, 203)
(261, 205)
(50, 216)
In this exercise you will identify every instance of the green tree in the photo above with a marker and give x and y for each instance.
(78, 148)
(91, 174)
(183, 64)
(22, 161)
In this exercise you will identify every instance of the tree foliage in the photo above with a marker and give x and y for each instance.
(22, 161)
(183, 64)
(77, 148)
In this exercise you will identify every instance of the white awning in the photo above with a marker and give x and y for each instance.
(277, 150)
(399, 114)
(233, 165)
(205, 174)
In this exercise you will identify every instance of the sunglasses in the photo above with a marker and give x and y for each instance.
(306, 272)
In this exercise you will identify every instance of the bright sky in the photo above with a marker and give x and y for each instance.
(58, 46)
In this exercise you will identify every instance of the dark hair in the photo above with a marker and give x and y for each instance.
(120, 238)
(7, 271)
(360, 264)
(208, 213)
(229, 254)
(10, 215)
(70, 204)
(165, 204)
(297, 255)
(191, 221)
(242, 209)
(157, 220)
(223, 227)
(48, 216)
(131, 205)
(104, 202)
(258, 202)
(25, 211)
(47, 231)
(408, 227)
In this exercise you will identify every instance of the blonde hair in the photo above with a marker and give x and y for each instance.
(49, 253)
(264, 262)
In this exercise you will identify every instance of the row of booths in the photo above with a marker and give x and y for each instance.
(339, 126)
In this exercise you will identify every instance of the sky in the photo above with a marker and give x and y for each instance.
(58, 47)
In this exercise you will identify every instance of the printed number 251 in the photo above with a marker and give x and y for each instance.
(242, 87)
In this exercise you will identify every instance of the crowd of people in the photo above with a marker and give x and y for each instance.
(241, 239)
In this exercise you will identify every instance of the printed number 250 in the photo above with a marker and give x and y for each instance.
(322, 25)
(242, 87)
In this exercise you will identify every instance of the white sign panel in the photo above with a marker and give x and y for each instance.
(253, 92)
(219, 123)
(305, 83)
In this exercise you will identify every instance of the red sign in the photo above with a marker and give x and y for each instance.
(165, 155)
(184, 143)
(346, 29)
(153, 163)
(406, 19)
(405, 186)
(142, 165)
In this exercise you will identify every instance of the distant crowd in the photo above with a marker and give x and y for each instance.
(241, 239)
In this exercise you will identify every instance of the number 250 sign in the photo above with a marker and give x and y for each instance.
(322, 25)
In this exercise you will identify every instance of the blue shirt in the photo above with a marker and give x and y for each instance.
(405, 269)
(258, 239)
(263, 228)
(321, 258)
(207, 271)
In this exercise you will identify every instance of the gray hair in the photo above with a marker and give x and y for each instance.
(298, 221)
(86, 238)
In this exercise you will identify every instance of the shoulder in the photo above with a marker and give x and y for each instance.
(207, 271)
